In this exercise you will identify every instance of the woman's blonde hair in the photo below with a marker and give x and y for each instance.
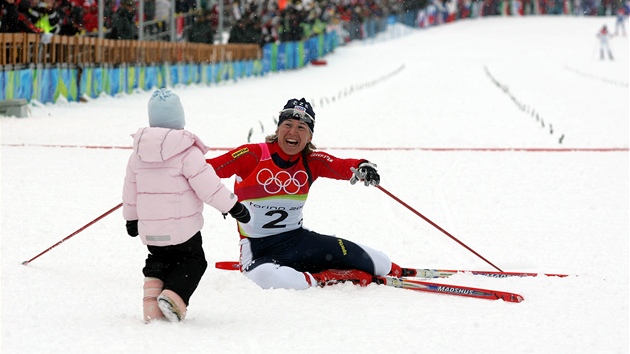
(309, 148)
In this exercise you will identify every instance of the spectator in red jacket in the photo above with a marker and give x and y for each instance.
(90, 18)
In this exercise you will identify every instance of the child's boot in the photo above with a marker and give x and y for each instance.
(172, 305)
(152, 288)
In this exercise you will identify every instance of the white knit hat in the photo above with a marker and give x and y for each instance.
(165, 110)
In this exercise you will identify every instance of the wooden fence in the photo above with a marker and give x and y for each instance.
(80, 67)
(20, 49)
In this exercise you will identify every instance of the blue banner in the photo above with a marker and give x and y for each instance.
(238, 70)
(114, 81)
(310, 49)
(53, 75)
(133, 73)
(266, 58)
(174, 75)
(290, 54)
(196, 73)
(3, 79)
(281, 57)
(249, 68)
(46, 86)
(150, 80)
(24, 87)
(68, 84)
(97, 81)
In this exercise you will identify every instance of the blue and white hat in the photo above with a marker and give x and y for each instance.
(166, 110)
(300, 110)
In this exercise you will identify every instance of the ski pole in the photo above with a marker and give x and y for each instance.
(74, 233)
(436, 226)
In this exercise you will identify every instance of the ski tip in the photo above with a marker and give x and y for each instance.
(557, 275)
(516, 298)
(25, 263)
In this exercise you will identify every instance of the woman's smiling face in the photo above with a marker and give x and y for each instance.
(293, 135)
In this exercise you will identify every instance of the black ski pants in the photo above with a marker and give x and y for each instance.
(180, 267)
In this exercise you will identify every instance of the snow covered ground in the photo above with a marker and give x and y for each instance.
(464, 121)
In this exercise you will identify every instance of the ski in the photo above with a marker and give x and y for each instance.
(458, 290)
(428, 273)
(445, 273)
(417, 285)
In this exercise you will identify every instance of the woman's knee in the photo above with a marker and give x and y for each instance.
(273, 276)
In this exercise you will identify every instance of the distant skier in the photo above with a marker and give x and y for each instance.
(620, 24)
(603, 36)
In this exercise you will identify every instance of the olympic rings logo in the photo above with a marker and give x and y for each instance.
(282, 181)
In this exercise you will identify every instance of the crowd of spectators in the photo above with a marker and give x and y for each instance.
(297, 21)
(249, 21)
(80, 17)
(62, 17)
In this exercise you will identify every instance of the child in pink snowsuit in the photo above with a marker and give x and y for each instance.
(166, 185)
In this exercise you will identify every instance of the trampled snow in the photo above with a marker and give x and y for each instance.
(509, 133)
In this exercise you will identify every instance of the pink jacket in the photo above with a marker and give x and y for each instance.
(166, 184)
